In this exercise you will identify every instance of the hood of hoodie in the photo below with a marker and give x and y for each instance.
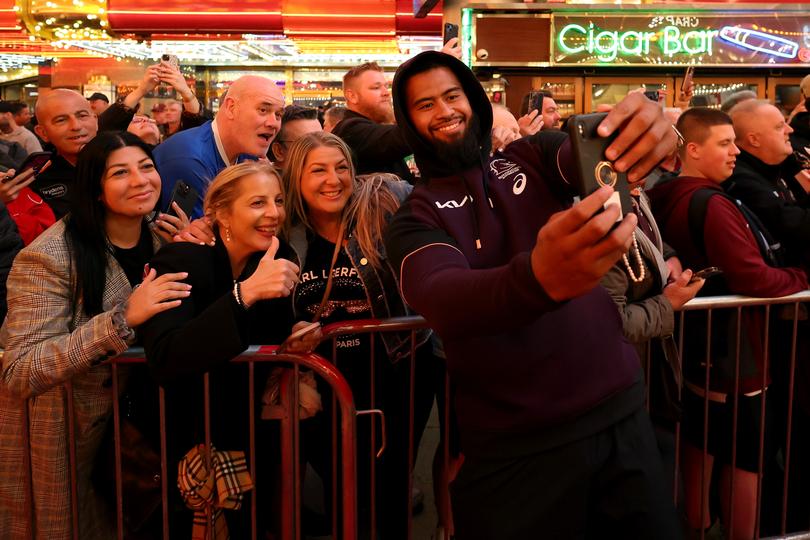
(430, 164)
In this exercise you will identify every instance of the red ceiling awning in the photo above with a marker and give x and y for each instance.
(197, 16)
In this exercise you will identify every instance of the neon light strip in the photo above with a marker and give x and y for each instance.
(759, 41)
(205, 13)
(466, 36)
(321, 33)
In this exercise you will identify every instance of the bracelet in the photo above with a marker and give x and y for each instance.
(237, 294)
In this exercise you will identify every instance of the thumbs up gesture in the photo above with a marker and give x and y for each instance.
(273, 278)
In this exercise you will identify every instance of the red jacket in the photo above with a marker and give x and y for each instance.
(730, 245)
(31, 214)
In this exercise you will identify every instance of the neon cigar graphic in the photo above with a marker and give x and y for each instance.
(755, 40)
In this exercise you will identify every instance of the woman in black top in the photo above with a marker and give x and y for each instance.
(335, 224)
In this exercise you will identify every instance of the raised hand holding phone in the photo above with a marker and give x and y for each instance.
(12, 184)
(273, 278)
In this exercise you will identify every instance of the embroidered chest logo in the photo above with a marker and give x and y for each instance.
(454, 204)
(503, 169)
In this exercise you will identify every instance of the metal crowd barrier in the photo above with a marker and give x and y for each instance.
(346, 521)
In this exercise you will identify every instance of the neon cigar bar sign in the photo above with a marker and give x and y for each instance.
(659, 39)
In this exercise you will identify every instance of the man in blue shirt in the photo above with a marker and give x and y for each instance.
(246, 124)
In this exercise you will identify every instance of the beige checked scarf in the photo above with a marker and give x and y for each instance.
(223, 490)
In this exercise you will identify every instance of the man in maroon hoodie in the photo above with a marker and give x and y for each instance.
(731, 238)
(549, 394)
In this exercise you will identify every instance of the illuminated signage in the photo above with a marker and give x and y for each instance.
(658, 39)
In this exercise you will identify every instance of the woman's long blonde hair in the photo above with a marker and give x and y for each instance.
(366, 213)
(224, 188)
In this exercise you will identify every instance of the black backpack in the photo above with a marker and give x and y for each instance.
(771, 250)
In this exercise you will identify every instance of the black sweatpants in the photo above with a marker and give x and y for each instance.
(608, 485)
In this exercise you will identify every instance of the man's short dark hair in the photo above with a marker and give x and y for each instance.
(296, 112)
(695, 123)
(99, 96)
(356, 71)
(6, 107)
(292, 113)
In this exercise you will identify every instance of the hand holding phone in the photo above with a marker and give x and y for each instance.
(450, 32)
(594, 169)
(12, 184)
(186, 198)
(171, 59)
(687, 79)
(304, 339)
(706, 273)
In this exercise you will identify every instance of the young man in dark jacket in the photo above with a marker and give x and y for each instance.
(549, 395)
(731, 238)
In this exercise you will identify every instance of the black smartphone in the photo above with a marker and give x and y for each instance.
(536, 101)
(706, 273)
(36, 161)
(652, 95)
(450, 31)
(594, 169)
(185, 196)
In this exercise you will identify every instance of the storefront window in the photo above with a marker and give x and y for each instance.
(713, 95)
(612, 93)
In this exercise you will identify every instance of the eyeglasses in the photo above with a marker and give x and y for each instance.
(142, 119)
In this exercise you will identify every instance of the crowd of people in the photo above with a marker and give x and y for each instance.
(552, 312)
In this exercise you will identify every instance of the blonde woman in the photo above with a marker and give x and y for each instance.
(240, 295)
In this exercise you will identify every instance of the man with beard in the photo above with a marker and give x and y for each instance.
(368, 123)
(244, 127)
(549, 395)
(65, 120)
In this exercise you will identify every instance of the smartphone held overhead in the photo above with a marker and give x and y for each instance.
(450, 31)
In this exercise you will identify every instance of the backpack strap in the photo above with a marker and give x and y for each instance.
(698, 205)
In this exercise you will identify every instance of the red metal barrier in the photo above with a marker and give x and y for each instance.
(346, 522)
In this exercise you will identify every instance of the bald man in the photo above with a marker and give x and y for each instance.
(245, 126)
(763, 183)
(65, 120)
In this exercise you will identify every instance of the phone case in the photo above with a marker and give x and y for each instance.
(450, 31)
(536, 101)
(594, 169)
(185, 196)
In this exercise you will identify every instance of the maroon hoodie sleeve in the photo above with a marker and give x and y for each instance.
(438, 283)
(730, 244)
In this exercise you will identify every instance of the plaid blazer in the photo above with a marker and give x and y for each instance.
(47, 345)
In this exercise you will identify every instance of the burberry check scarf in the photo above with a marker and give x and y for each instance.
(207, 494)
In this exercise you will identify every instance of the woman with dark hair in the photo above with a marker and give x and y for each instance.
(74, 301)
(335, 225)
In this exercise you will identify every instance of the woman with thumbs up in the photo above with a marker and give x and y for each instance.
(240, 296)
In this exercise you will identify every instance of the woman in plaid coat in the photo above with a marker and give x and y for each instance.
(71, 306)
